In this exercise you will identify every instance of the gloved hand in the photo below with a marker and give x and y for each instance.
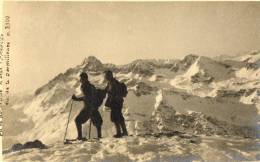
(73, 97)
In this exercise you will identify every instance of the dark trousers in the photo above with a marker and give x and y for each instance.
(84, 116)
(118, 119)
(116, 115)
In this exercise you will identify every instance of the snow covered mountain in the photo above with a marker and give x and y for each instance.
(197, 95)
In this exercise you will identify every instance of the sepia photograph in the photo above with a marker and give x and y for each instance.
(130, 81)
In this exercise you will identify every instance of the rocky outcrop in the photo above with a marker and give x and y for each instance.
(141, 67)
(166, 119)
(28, 145)
(143, 89)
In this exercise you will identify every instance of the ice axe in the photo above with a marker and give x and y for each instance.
(64, 140)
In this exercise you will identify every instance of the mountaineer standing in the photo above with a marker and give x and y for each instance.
(91, 101)
(116, 92)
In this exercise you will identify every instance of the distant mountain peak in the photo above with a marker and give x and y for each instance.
(91, 63)
(190, 56)
(91, 59)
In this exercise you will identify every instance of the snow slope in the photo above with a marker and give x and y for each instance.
(143, 149)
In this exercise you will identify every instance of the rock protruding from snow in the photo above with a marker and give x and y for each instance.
(235, 94)
(166, 119)
(156, 78)
(141, 67)
(142, 88)
(162, 63)
(213, 70)
(163, 114)
(28, 145)
(248, 73)
(251, 57)
(143, 127)
(185, 63)
(205, 70)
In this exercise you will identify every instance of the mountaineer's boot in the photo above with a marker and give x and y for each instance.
(123, 126)
(99, 134)
(118, 131)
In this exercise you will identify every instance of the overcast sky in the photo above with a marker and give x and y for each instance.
(49, 37)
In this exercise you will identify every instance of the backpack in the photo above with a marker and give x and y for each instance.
(123, 89)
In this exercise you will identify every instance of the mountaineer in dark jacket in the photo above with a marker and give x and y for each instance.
(115, 103)
(89, 111)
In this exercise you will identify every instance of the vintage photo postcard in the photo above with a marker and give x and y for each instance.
(130, 81)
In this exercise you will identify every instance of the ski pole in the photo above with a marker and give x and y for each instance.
(89, 131)
(68, 120)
